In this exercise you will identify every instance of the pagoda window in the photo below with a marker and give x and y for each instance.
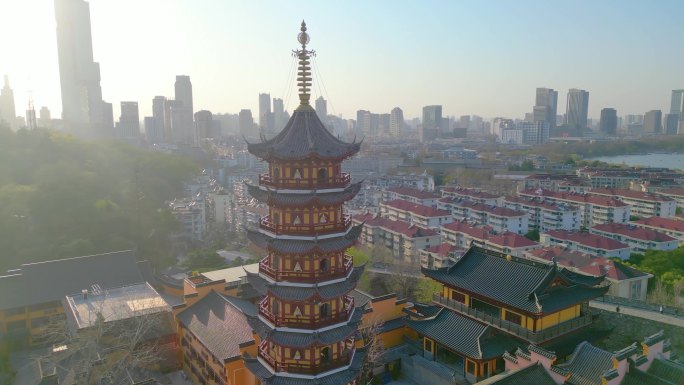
(276, 218)
(297, 173)
(297, 220)
(322, 175)
(297, 355)
(276, 173)
(276, 262)
(324, 310)
(325, 355)
(512, 317)
(276, 308)
(297, 267)
(325, 265)
(323, 218)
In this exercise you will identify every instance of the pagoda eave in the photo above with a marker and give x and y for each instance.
(291, 247)
(298, 293)
(314, 199)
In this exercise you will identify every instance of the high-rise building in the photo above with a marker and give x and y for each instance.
(83, 109)
(265, 112)
(499, 124)
(677, 106)
(279, 118)
(204, 126)
(182, 111)
(31, 121)
(671, 124)
(44, 118)
(363, 122)
(432, 117)
(128, 127)
(653, 122)
(322, 109)
(609, 121)
(246, 124)
(396, 122)
(306, 307)
(156, 130)
(577, 108)
(8, 113)
(546, 106)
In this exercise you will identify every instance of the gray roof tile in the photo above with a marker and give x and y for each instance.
(301, 200)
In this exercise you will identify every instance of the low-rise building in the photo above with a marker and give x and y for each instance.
(639, 239)
(471, 194)
(586, 243)
(546, 216)
(404, 240)
(463, 235)
(642, 204)
(413, 213)
(625, 281)
(500, 219)
(675, 193)
(442, 255)
(669, 226)
(594, 209)
(421, 197)
(191, 213)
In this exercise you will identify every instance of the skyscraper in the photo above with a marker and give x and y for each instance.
(265, 112)
(671, 124)
(182, 110)
(546, 106)
(246, 124)
(44, 119)
(577, 108)
(204, 126)
(653, 122)
(83, 109)
(156, 131)
(8, 114)
(322, 109)
(609, 121)
(363, 122)
(31, 121)
(677, 106)
(128, 127)
(432, 117)
(396, 122)
(279, 118)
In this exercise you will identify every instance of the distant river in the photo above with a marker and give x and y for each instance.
(647, 160)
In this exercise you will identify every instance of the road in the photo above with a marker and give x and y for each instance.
(389, 272)
(641, 313)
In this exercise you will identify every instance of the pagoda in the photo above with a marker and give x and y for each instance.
(306, 318)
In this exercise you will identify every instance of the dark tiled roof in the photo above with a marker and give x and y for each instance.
(531, 375)
(296, 293)
(304, 136)
(290, 246)
(426, 310)
(50, 281)
(637, 377)
(340, 378)
(587, 365)
(361, 298)
(473, 339)
(520, 283)
(301, 200)
(667, 370)
(219, 324)
(293, 339)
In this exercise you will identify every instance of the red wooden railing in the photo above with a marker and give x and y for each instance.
(308, 229)
(309, 322)
(305, 368)
(307, 276)
(340, 181)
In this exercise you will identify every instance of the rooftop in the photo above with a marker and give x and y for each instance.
(411, 231)
(587, 239)
(632, 231)
(574, 197)
(587, 263)
(625, 193)
(663, 223)
(115, 304)
(415, 208)
(232, 274)
(506, 239)
(470, 192)
(481, 207)
(420, 194)
(536, 202)
(444, 249)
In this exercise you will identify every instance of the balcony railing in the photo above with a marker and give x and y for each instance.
(340, 181)
(304, 276)
(308, 229)
(513, 328)
(308, 322)
(308, 369)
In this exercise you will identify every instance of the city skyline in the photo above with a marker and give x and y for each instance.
(485, 71)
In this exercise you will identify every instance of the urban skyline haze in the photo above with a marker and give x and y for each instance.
(484, 58)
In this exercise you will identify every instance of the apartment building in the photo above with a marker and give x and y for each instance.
(439, 256)
(500, 219)
(463, 235)
(638, 238)
(413, 213)
(669, 226)
(474, 195)
(642, 204)
(675, 193)
(404, 240)
(421, 197)
(585, 242)
(546, 216)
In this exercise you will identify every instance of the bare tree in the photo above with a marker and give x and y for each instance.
(403, 281)
(370, 335)
(103, 343)
(677, 289)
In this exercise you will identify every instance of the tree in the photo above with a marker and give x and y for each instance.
(533, 235)
(370, 335)
(203, 259)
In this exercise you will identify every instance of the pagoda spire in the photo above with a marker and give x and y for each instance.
(304, 69)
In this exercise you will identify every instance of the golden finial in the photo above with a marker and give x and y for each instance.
(304, 69)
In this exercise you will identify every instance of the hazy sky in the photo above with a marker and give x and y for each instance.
(473, 57)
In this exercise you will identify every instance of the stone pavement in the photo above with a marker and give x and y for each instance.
(641, 313)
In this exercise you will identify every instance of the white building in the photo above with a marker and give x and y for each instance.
(643, 204)
(546, 216)
(463, 235)
(421, 197)
(500, 219)
(639, 239)
(403, 240)
(475, 195)
(586, 243)
(412, 213)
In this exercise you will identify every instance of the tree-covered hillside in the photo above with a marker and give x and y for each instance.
(61, 197)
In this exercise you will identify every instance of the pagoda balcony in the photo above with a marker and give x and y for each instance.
(535, 337)
(308, 322)
(340, 181)
(309, 368)
(313, 276)
(312, 229)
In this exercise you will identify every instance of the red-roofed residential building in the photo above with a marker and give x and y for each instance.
(471, 194)
(413, 213)
(625, 282)
(669, 226)
(442, 255)
(675, 193)
(499, 218)
(643, 204)
(638, 238)
(586, 242)
(546, 216)
(462, 235)
(594, 209)
(403, 239)
(421, 197)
